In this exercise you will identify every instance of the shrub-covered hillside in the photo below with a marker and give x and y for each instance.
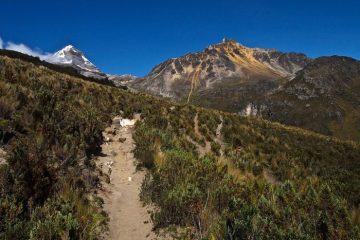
(267, 181)
(213, 175)
(50, 126)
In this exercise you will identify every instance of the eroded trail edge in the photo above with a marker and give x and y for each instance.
(129, 219)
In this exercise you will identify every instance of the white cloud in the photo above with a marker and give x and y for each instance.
(20, 47)
(26, 50)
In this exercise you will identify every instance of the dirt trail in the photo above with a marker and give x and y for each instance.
(2, 156)
(207, 148)
(201, 149)
(218, 130)
(128, 218)
(218, 137)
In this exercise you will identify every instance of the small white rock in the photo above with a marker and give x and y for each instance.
(127, 122)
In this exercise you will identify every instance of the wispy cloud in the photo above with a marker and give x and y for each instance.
(20, 47)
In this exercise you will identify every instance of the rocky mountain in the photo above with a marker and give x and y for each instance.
(318, 94)
(71, 56)
(228, 66)
(324, 97)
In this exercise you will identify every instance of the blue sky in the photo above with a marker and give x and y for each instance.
(133, 36)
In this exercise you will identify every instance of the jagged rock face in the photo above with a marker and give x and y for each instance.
(70, 56)
(287, 63)
(227, 64)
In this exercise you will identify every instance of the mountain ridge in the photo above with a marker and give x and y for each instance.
(289, 88)
(218, 63)
(261, 82)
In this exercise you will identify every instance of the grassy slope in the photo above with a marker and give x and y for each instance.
(51, 125)
(313, 193)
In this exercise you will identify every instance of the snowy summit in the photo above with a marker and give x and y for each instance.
(71, 56)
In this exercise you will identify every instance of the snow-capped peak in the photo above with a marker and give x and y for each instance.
(65, 50)
(73, 57)
(68, 47)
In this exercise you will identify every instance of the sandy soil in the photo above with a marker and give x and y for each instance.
(2, 156)
(129, 219)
